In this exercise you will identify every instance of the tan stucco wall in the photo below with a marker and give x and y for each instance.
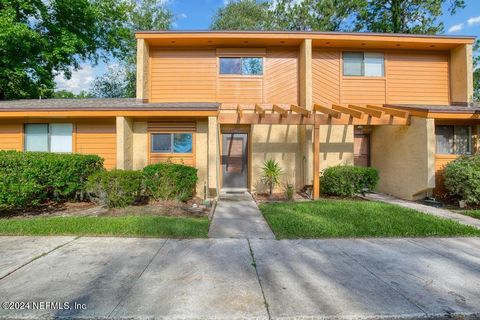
(143, 57)
(405, 158)
(201, 156)
(140, 145)
(280, 143)
(306, 89)
(213, 156)
(336, 145)
(124, 143)
(461, 74)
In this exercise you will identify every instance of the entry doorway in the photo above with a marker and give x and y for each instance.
(361, 149)
(234, 161)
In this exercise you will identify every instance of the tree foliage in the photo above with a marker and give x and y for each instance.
(404, 16)
(120, 81)
(476, 72)
(117, 82)
(313, 15)
(39, 39)
(65, 94)
(394, 16)
(242, 15)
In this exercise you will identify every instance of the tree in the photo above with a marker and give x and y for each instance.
(115, 83)
(39, 39)
(313, 15)
(404, 16)
(65, 94)
(304, 15)
(242, 15)
(476, 72)
(120, 81)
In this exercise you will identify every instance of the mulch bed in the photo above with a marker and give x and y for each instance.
(193, 208)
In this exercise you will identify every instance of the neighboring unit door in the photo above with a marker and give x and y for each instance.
(234, 160)
(361, 150)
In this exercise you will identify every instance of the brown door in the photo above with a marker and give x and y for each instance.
(361, 150)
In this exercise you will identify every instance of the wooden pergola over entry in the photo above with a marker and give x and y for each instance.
(291, 114)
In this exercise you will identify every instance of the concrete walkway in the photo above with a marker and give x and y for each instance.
(237, 216)
(133, 278)
(439, 212)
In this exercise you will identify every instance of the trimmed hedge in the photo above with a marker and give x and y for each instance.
(116, 188)
(348, 181)
(462, 179)
(165, 181)
(162, 181)
(32, 178)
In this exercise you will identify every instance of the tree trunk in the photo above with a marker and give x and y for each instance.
(396, 16)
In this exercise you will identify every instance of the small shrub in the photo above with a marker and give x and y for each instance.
(31, 178)
(116, 188)
(289, 191)
(167, 181)
(462, 179)
(347, 181)
(271, 172)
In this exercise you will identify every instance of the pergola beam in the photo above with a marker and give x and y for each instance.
(370, 112)
(328, 111)
(351, 112)
(240, 111)
(299, 110)
(390, 111)
(259, 110)
(280, 110)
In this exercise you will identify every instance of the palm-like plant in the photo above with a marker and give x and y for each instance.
(271, 172)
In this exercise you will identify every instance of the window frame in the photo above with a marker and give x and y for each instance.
(172, 135)
(262, 59)
(383, 76)
(453, 153)
(49, 136)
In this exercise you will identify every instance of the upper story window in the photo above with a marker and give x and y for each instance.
(368, 64)
(241, 66)
(172, 143)
(453, 139)
(48, 137)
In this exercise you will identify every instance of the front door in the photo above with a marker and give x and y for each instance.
(234, 160)
(361, 150)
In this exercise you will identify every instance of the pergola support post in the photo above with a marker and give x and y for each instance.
(316, 162)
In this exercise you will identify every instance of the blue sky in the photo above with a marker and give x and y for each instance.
(197, 14)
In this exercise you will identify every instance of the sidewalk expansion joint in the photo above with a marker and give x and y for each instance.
(38, 257)
(254, 264)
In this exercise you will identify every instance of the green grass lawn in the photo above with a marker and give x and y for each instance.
(127, 226)
(328, 218)
(471, 213)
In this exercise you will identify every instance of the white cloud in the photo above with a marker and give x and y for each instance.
(473, 21)
(182, 15)
(80, 80)
(455, 28)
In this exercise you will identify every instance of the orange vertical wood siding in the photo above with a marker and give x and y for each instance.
(281, 76)
(410, 78)
(183, 75)
(326, 76)
(241, 89)
(418, 78)
(11, 136)
(98, 137)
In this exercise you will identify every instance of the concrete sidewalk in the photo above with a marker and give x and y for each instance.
(439, 212)
(238, 216)
(236, 278)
